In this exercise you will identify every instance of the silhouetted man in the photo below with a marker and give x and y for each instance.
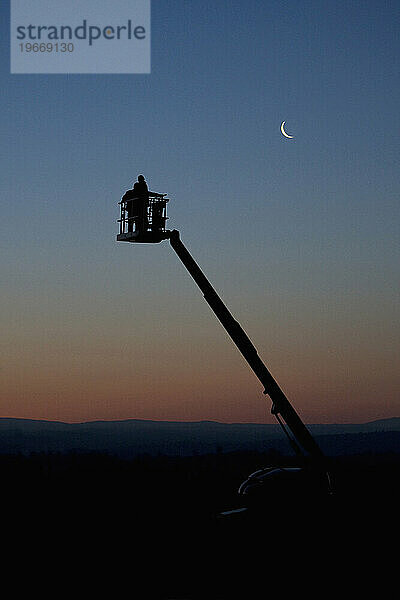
(141, 191)
(140, 186)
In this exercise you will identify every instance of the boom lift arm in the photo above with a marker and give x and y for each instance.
(281, 406)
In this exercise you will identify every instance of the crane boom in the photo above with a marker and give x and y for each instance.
(281, 406)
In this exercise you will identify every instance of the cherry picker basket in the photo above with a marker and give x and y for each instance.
(143, 219)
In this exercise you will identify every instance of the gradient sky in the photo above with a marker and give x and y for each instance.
(300, 237)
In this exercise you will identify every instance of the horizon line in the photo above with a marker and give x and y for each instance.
(184, 421)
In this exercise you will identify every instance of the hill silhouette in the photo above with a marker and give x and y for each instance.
(131, 438)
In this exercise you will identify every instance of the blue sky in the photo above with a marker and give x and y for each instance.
(301, 236)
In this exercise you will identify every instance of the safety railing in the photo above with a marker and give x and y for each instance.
(143, 214)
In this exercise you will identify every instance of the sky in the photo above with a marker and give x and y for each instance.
(299, 236)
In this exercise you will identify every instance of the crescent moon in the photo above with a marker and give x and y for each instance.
(284, 132)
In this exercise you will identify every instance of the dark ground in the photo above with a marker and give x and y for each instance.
(150, 528)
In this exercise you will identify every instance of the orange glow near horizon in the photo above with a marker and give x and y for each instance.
(107, 380)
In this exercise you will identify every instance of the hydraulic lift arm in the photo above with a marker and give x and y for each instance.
(281, 406)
